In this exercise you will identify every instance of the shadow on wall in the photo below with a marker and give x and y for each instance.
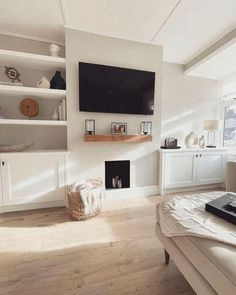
(178, 126)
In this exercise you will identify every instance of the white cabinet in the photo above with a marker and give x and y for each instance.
(186, 168)
(210, 167)
(180, 170)
(32, 178)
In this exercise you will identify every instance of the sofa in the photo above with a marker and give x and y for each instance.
(231, 176)
(209, 266)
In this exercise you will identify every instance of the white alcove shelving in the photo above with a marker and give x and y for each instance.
(15, 128)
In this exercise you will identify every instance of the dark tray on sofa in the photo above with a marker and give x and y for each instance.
(221, 208)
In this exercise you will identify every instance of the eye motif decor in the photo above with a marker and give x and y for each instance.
(12, 74)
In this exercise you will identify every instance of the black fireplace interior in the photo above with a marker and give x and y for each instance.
(117, 174)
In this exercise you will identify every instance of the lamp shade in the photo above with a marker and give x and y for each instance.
(211, 125)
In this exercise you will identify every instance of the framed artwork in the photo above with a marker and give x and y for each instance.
(118, 128)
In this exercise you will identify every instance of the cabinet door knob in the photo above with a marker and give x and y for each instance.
(196, 155)
(3, 163)
(200, 155)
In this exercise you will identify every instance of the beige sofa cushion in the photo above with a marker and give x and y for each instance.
(216, 261)
(231, 177)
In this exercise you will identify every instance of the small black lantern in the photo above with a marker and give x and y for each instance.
(146, 128)
(89, 127)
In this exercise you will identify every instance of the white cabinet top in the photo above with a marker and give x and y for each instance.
(35, 152)
(218, 149)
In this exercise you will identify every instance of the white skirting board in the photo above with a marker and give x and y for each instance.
(217, 186)
(137, 191)
(15, 208)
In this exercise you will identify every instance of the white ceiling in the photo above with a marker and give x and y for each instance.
(183, 27)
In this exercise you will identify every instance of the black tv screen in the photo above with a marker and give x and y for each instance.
(109, 89)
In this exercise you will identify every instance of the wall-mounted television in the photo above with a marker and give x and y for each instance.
(110, 89)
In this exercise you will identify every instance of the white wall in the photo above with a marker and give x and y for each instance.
(186, 102)
(87, 159)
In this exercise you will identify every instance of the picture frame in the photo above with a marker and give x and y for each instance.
(171, 142)
(118, 128)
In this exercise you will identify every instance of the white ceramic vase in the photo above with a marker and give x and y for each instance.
(55, 115)
(54, 50)
(43, 83)
(191, 140)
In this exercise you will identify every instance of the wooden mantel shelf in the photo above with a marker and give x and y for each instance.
(117, 138)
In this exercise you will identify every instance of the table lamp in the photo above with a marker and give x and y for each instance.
(211, 126)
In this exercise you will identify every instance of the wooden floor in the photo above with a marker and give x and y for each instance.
(43, 252)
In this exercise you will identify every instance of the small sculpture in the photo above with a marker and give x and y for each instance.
(191, 140)
(12, 74)
(55, 115)
(202, 142)
(43, 83)
(57, 82)
(54, 50)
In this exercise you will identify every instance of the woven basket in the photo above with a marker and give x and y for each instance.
(75, 203)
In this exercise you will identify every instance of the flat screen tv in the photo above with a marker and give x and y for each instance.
(109, 89)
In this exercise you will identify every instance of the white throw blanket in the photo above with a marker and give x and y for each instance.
(92, 197)
(186, 215)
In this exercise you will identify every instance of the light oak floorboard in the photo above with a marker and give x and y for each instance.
(43, 252)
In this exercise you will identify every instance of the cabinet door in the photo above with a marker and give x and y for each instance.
(180, 169)
(210, 167)
(33, 178)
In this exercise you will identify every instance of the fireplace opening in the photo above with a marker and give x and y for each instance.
(117, 174)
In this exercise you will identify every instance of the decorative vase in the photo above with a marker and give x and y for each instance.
(202, 142)
(55, 115)
(57, 82)
(191, 140)
(54, 50)
(43, 83)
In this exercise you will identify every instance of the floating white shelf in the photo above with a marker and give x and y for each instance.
(31, 61)
(17, 91)
(32, 122)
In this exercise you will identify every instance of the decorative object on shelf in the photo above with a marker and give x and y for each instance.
(116, 182)
(15, 147)
(118, 128)
(85, 199)
(12, 74)
(89, 127)
(57, 82)
(202, 142)
(43, 83)
(55, 115)
(171, 143)
(62, 110)
(29, 107)
(146, 128)
(191, 140)
(119, 183)
(211, 126)
(54, 50)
